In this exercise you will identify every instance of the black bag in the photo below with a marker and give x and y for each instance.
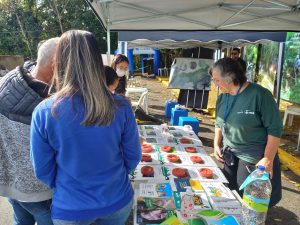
(146, 119)
(228, 156)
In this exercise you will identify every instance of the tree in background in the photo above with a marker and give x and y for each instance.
(19, 28)
(24, 23)
(168, 56)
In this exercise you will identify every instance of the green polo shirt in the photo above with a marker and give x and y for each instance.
(254, 116)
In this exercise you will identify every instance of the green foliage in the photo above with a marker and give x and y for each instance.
(168, 55)
(19, 28)
(250, 54)
(43, 19)
(269, 56)
(291, 76)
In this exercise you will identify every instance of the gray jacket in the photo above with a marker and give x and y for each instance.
(19, 95)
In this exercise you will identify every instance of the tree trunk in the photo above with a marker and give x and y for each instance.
(24, 35)
(259, 47)
(59, 17)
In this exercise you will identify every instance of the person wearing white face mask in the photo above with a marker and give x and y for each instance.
(120, 65)
(121, 73)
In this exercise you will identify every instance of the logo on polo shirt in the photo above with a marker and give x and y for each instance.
(246, 112)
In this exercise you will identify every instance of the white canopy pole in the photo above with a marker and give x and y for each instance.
(279, 70)
(108, 32)
(108, 44)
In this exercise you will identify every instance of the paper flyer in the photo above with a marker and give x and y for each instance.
(220, 195)
(154, 210)
(158, 190)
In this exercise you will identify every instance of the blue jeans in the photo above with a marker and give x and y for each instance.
(117, 218)
(27, 213)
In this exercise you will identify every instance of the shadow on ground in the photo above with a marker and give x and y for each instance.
(207, 141)
(157, 107)
(204, 130)
(280, 216)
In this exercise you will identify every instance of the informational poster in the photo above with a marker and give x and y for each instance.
(290, 87)
(190, 74)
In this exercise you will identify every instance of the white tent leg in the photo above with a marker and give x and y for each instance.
(279, 70)
(108, 44)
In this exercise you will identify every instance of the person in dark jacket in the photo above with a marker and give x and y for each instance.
(20, 92)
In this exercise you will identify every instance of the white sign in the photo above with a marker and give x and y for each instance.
(138, 51)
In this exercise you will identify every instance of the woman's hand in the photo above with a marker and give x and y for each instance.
(268, 164)
(218, 154)
(270, 152)
(217, 142)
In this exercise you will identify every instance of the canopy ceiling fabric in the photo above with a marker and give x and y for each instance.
(188, 15)
(191, 39)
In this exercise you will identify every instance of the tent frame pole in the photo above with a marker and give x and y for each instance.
(108, 33)
(279, 70)
(108, 44)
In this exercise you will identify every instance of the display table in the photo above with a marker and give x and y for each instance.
(174, 158)
(291, 111)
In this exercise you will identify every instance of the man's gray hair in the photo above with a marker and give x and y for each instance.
(46, 51)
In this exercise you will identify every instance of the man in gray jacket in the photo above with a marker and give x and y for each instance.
(20, 92)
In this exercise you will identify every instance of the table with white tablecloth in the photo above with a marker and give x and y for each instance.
(174, 156)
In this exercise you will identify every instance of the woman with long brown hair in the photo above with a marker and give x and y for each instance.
(84, 140)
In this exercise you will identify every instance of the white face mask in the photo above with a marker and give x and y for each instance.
(121, 73)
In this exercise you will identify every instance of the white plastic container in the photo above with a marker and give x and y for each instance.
(187, 204)
(256, 197)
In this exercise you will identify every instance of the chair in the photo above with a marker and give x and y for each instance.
(142, 102)
(291, 111)
(163, 72)
(131, 82)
